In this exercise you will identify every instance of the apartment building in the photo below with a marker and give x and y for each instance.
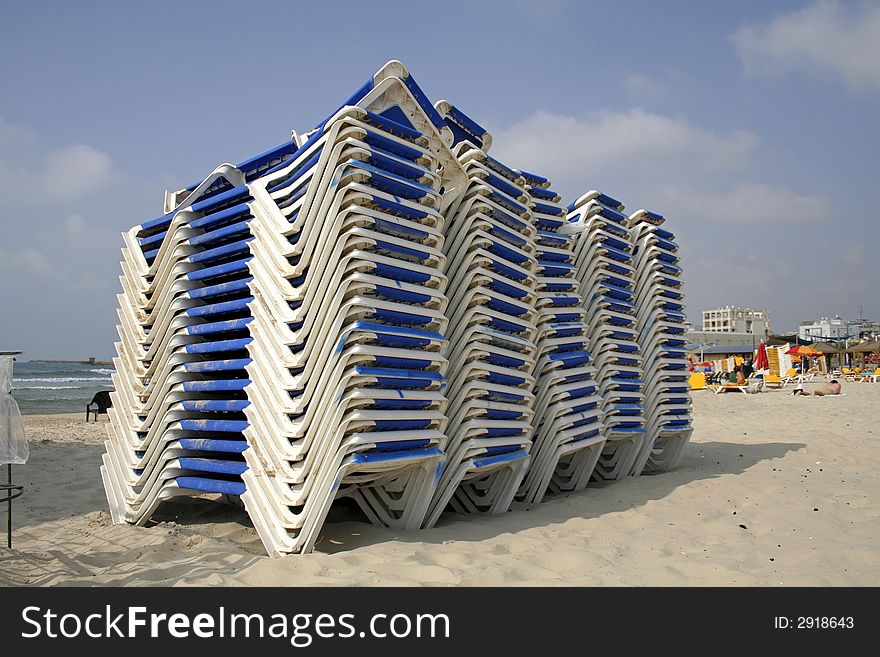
(824, 328)
(733, 319)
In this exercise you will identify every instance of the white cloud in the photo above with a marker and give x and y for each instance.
(745, 202)
(637, 143)
(27, 263)
(75, 232)
(12, 134)
(826, 39)
(65, 174)
(32, 269)
(77, 171)
(746, 275)
(699, 176)
(642, 87)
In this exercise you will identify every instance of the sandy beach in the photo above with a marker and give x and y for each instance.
(773, 490)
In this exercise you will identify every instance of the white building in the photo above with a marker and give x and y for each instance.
(867, 330)
(732, 319)
(721, 339)
(827, 329)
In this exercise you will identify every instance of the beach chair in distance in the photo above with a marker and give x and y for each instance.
(727, 387)
(101, 402)
(697, 381)
(791, 376)
(867, 376)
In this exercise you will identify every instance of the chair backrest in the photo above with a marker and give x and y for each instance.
(102, 400)
(791, 372)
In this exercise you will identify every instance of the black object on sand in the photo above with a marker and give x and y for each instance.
(101, 401)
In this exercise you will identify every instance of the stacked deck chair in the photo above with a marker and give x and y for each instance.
(347, 370)
(490, 266)
(604, 266)
(661, 326)
(176, 422)
(568, 438)
(331, 319)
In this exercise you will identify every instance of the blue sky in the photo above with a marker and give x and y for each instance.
(751, 125)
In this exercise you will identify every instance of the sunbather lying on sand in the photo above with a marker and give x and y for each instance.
(832, 388)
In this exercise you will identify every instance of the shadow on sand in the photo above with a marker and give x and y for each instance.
(56, 468)
(705, 460)
(63, 479)
(60, 479)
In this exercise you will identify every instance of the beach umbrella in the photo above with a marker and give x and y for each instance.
(803, 351)
(761, 360)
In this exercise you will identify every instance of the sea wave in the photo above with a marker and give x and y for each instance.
(46, 387)
(62, 379)
(69, 401)
(103, 371)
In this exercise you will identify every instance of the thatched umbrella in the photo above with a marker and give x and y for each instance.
(872, 347)
(829, 350)
(866, 348)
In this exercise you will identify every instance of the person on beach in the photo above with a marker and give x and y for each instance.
(831, 388)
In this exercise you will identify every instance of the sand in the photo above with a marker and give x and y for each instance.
(773, 490)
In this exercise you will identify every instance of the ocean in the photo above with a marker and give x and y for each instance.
(41, 387)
